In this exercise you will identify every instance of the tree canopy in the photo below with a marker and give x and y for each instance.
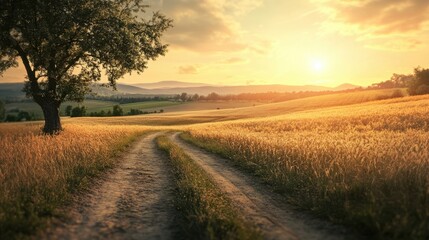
(67, 45)
(420, 83)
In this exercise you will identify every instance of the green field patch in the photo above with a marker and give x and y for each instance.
(90, 105)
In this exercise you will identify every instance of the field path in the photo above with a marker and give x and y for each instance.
(258, 204)
(134, 202)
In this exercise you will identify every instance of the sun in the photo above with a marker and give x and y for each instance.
(317, 65)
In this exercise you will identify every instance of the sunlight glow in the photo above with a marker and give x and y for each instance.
(317, 65)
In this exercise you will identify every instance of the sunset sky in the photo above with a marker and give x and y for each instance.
(292, 42)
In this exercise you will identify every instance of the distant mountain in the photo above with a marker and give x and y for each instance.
(170, 84)
(121, 89)
(177, 87)
(129, 89)
(346, 86)
(204, 90)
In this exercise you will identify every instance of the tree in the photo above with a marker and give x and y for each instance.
(396, 81)
(68, 110)
(184, 97)
(213, 96)
(24, 116)
(11, 118)
(2, 111)
(78, 112)
(117, 111)
(65, 46)
(195, 97)
(420, 83)
(133, 111)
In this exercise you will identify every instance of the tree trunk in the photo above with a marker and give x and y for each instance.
(52, 117)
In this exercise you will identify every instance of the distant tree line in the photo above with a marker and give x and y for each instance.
(16, 115)
(130, 98)
(117, 110)
(186, 97)
(416, 83)
(2, 111)
(267, 96)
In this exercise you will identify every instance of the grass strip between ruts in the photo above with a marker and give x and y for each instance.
(207, 212)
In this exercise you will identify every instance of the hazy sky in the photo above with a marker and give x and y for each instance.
(294, 42)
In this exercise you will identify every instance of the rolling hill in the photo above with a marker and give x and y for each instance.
(14, 90)
(182, 114)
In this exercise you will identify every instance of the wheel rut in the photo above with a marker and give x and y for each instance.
(258, 204)
(135, 201)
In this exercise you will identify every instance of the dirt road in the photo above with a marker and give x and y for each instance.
(258, 204)
(134, 202)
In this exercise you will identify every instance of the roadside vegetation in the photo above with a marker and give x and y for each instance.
(207, 213)
(364, 165)
(40, 173)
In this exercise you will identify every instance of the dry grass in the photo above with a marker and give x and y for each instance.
(39, 173)
(206, 212)
(364, 165)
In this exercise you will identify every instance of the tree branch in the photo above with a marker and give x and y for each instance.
(25, 61)
(35, 88)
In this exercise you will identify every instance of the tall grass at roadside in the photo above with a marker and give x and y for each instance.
(366, 166)
(40, 173)
(208, 214)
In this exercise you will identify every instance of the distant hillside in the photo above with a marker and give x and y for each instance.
(13, 91)
(204, 90)
(121, 89)
(170, 84)
(346, 86)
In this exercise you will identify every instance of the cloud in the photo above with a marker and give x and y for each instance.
(188, 69)
(234, 60)
(206, 25)
(394, 44)
(395, 21)
(241, 7)
(261, 46)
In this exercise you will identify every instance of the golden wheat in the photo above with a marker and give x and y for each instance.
(363, 165)
(38, 172)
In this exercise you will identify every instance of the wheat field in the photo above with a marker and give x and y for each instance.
(364, 165)
(39, 173)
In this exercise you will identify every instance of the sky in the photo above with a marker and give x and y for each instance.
(291, 42)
